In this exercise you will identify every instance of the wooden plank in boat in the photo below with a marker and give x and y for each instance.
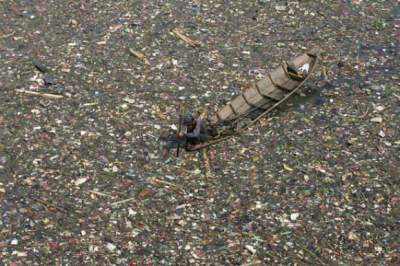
(278, 78)
(315, 52)
(281, 80)
(266, 88)
(240, 105)
(253, 96)
(243, 103)
(225, 113)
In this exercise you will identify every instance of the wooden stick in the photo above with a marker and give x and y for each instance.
(90, 104)
(324, 73)
(122, 201)
(100, 193)
(48, 204)
(172, 186)
(313, 255)
(139, 56)
(186, 39)
(156, 180)
(206, 163)
(45, 95)
(179, 129)
(177, 188)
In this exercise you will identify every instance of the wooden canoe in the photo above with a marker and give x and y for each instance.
(261, 98)
(271, 88)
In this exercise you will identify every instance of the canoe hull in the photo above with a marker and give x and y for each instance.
(272, 88)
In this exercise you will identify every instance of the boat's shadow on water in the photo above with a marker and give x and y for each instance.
(310, 96)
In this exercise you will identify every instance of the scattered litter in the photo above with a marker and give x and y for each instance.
(86, 98)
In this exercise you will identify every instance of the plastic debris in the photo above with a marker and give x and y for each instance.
(82, 177)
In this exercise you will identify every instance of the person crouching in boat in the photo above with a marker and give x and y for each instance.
(193, 130)
(193, 133)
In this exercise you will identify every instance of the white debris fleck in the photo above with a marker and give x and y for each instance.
(377, 119)
(294, 216)
(304, 68)
(131, 212)
(35, 111)
(251, 249)
(80, 181)
(124, 106)
(22, 254)
(111, 246)
(93, 248)
(353, 236)
(135, 232)
(280, 8)
(129, 100)
(115, 169)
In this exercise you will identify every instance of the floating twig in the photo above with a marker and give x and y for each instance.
(122, 201)
(206, 163)
(324, 73)
(90, 104)
(39, 66)
(100, 193)
(139, 56)
(365, 113)
(48, 205)
(186, 39)
(45, 95)
(313, 255)
(156, 180)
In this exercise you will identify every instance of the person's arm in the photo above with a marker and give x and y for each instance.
(196, 131)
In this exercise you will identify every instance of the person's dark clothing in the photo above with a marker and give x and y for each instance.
(196, 132)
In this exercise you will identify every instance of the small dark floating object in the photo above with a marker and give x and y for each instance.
(39, 66)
